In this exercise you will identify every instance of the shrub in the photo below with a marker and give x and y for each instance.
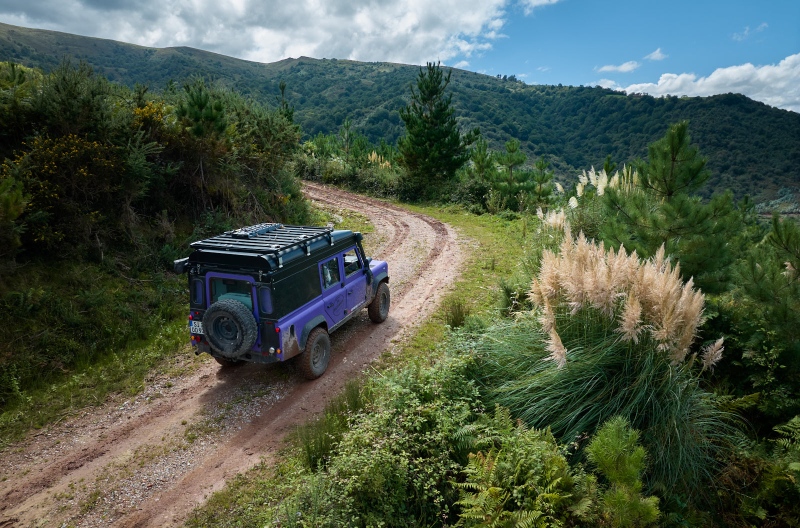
(394, 465)
(520, 478)
(513, 298)
(455, 313)
(318, 438)
(762, 316)
(617, 334)
(762, 482)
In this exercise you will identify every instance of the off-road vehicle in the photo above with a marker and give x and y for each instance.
(272, 292)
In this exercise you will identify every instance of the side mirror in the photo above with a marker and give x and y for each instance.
(180, 265)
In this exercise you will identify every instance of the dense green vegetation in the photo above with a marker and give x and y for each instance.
(431, 128)
(751, 148)
(100, 189)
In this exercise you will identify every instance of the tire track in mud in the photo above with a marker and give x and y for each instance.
(41, 476)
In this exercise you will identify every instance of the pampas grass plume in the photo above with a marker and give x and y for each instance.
(712, 353)
(556, 348)
(656, 300)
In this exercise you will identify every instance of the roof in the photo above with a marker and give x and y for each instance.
(272, 244)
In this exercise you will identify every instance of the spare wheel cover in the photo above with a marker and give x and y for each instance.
(230, 328)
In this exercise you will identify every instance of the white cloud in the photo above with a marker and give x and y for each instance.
(461, 64)
(623, 68)
(774, 84)
(530, 5)
(607, 83)
(657, 55)
(745, 34)
(407, 31)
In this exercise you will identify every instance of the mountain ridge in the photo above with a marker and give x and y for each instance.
(752, 148)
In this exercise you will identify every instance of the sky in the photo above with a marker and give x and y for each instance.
(676, 47)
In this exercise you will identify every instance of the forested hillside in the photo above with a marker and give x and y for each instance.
(751, 148)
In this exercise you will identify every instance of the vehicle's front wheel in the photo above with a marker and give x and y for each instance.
(379, 307)
(313, 362)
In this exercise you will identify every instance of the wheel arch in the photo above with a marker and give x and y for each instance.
(309, 326)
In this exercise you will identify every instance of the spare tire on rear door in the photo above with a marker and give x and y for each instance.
(230, 328)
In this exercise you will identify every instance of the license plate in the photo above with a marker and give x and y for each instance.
(196, 327)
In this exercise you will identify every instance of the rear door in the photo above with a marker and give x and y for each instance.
(333, 291)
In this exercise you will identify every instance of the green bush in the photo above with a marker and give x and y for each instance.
(762, 317)
(519, 477)
(395, 464)
(456, 312)
(319, 437)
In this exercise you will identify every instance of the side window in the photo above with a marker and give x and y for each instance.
(330, 273)
(265, 300)
(351, 262)
(198, 297)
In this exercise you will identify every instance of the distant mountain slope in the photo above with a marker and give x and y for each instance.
(752, 148)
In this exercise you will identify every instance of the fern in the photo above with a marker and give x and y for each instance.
(521, 479)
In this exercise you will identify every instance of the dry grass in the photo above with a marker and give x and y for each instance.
(640, 296)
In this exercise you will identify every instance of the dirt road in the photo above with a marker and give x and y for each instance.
(150, 460)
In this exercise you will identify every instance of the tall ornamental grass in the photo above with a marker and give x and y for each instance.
(612, 335)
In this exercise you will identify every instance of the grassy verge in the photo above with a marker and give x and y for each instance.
(77, 332)
(492, 250)
(124, 372)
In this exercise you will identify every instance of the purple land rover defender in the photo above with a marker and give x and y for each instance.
(271, 292)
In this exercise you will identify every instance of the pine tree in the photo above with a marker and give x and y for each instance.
(511, 158)
(433, 148)
(483, 160)
(542, 180)
(662, 211)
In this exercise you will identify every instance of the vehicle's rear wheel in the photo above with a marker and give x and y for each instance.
(379, 307)
(313, 361)
(225, 362)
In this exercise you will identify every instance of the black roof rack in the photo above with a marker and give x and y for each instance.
(272, 245)
(265, 239)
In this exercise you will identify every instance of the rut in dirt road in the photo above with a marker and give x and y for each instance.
(129, 464)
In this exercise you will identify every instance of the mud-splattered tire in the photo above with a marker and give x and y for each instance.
(230, 328)
(313, 361)
(379, 307)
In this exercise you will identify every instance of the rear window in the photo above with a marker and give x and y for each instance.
(237, 290)
(294, 291)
